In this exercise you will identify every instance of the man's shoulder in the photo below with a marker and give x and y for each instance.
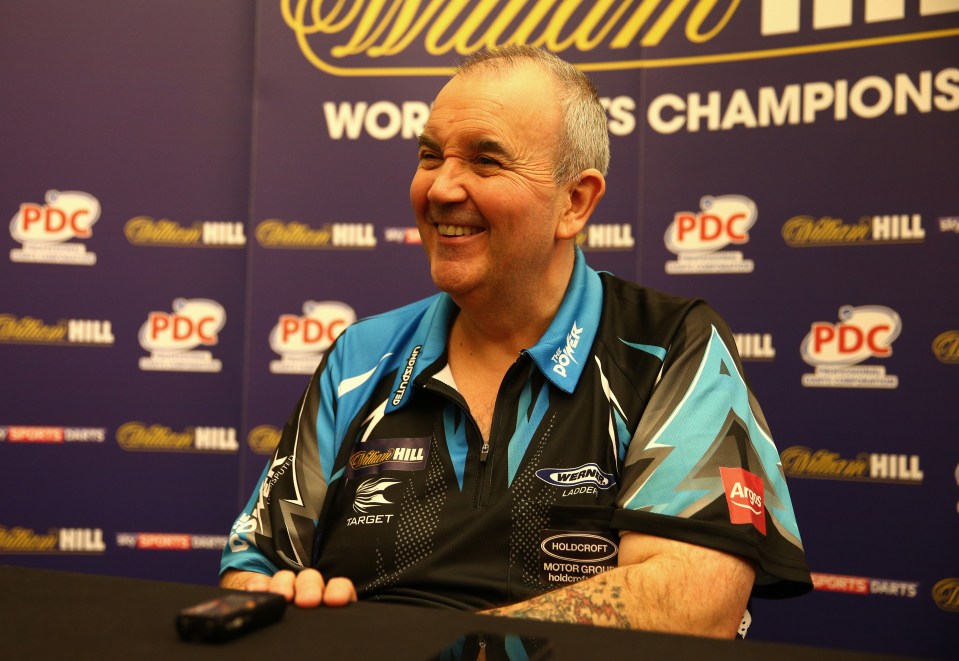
(626, 296)
(390, 328)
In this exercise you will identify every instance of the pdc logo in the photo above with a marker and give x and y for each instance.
(836, 349)
(44, 229)
(301, 340)
(698, 237)
(172, 337)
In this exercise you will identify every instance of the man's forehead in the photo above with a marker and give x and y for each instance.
(483, 108)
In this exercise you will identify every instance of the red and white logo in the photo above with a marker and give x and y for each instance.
(44, 229)
(172, 337)
(863, 332)
(301, 340)
(698, 236)
(405, 235)
(744, 495)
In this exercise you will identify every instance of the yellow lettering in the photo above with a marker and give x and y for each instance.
(699, 14)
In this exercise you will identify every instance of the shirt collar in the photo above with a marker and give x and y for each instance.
(427, 343)
(559, 354)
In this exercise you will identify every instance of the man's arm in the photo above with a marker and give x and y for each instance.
(659, 585)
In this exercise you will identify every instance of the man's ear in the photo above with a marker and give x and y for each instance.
(584, 195)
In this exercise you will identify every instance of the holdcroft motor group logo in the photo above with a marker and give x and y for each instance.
(280, 234)
(302, 340)
(55, 541)
(699, 237)
(568, 557)
(45, 229)
(836, 350)
(806, 231)
(145, 231)
(139, 437)
(344, 38)
(803, 462)
(171, 337)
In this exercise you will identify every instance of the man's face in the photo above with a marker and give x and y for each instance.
(484, 198)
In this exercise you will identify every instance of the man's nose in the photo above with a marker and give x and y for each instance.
(448, 182)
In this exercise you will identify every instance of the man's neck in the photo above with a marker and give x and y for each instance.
(510, 323)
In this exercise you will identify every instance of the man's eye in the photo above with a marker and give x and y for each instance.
(428, 158)
(487, 161)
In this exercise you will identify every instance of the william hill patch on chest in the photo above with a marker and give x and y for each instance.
(388, 454)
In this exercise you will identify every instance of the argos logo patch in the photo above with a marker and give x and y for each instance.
(744, 495)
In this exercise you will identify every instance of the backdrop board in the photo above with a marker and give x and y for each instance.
(202, 195)
(125, 182)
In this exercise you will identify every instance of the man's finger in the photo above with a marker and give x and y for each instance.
(339, 592)
(309, 589)
(282, 583)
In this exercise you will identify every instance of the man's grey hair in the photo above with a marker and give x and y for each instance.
(584, 139)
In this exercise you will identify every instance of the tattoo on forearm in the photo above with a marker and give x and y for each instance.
(598, 601)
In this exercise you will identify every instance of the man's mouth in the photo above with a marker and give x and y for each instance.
(458, 230)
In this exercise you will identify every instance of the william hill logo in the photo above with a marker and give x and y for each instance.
(77, 332)
(145, 231)
(280, 234)
(806, 231)
(54, 541)
(946, 347)
(799, 461)
(138, 437)
(345, 38)
(263, 439)
(946, 594)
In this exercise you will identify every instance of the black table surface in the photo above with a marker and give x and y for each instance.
(62, 615)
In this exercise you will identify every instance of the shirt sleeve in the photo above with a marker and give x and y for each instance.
(277, 527)
(702, 466)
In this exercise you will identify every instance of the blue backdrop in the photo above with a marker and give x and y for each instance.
(202, 193)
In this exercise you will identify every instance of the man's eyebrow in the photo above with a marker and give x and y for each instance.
(490, 146)
(428, 142)
(480, 145)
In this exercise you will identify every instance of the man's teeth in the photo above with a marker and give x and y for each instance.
(458, 230)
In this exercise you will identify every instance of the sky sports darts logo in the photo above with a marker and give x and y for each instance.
(301, 340)
(698, 237)
(45, 230)
(172, 338)
(836, 349)
(862, 585)
(165, 541)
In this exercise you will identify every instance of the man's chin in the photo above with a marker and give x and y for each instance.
(455, 282)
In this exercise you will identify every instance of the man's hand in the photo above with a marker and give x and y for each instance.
(306, 589)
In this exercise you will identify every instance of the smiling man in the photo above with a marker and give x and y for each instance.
(537, 440)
